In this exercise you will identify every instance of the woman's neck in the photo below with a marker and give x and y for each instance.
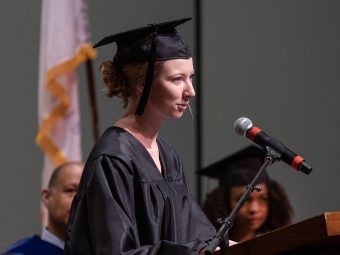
(145, 131)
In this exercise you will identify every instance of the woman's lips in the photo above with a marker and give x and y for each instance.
(182, 106)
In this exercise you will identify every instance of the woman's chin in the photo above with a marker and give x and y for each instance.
(176, 115)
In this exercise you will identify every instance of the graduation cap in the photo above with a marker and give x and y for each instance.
(154, 42)
(238, 169)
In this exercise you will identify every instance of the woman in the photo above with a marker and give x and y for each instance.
(133, 197)
(264, 210)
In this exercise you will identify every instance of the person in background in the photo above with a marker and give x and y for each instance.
(264, 211)
(57, 198)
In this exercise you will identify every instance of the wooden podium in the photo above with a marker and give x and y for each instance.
(317, 235)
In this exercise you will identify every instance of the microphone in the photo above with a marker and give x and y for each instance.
(244, 126)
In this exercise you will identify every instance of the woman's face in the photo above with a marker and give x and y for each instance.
(254, 211)
(172, 88)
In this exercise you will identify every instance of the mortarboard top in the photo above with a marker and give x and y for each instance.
(155, 42)
(238, 169)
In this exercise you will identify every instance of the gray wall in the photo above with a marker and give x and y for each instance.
(275, 62)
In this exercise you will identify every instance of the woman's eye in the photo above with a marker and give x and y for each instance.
(178, 79)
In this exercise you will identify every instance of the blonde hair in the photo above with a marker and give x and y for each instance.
(123, 82)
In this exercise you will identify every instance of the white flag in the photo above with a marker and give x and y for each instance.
(64, 44)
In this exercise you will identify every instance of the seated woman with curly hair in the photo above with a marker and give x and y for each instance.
(264, 211)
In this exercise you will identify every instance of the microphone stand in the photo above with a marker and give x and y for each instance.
(271, 156)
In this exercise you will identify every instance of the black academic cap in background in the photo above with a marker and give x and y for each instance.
(238, 169)
(155, 42)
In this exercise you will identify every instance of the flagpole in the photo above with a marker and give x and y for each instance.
(92, 96)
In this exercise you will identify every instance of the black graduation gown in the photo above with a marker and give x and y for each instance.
(124, 205)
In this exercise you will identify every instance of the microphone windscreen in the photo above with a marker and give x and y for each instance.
(242, 125)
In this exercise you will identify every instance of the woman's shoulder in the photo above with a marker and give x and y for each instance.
(115, 141)
(111, 148)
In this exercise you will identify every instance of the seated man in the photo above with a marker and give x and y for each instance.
(57, 198)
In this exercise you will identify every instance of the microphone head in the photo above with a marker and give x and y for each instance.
(242, 125)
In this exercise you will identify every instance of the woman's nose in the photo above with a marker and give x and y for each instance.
(189, 90)
(254, 206)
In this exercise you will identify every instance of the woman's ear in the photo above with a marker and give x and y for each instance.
(139, 90)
